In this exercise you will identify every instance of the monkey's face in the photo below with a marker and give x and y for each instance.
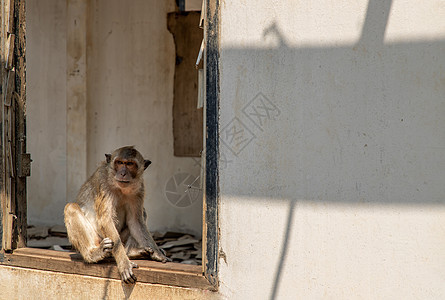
(127, 166)
(126, 171)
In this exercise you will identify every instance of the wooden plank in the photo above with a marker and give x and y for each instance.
(211, 62)
(187, 118)
(10, 51)
(8, 205)
(71, 263)
(11, 173)
(8, 223)
(7, 196)
(10, 85)
(10, 20)
(20, 125)
(3, 80)
(20, 49)
(5, 17)
(203, 13)
(74, 256)
(13, 123)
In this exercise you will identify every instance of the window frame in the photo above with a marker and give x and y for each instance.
(172, 274)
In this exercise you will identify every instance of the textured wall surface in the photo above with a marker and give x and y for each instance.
(332, 127)
(46, 109)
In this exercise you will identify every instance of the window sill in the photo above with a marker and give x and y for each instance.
(173, 274)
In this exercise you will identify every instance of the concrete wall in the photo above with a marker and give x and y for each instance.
(129, 79)
(18, 283)
(336, 189)
(46, 109)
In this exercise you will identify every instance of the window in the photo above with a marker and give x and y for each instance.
(15, 161)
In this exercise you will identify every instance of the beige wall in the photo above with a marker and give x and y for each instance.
(130, 71)
(340, 194)
(18, 283)
(46, 109)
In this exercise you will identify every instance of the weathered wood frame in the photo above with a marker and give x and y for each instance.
(211, 197)
(205, 276)
(14, 162)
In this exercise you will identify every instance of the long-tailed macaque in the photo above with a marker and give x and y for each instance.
(109, 216)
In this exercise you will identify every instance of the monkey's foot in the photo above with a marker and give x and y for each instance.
(149, 250)
(100, 252)
(106, 245)
(159, 256)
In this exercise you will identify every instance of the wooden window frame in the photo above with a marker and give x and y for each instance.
(173, 274)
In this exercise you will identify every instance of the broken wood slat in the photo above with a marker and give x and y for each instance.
(10, 51)
(68, 262)
(201, 86)
(58, 230)
(10, 12)
(48, 242)
(10, 162)
(8, 204)
(10, 85)
(202, 16)
(178, 243)
(10, 241)
(39, 232)
(8, 226)
(187, 119)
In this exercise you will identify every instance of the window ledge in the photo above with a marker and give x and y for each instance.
(173, 274)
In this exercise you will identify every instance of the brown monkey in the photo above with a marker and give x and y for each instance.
(109, 216)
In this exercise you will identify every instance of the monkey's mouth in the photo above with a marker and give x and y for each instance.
(123, 181)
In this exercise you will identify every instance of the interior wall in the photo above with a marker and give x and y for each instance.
(332, 168)
(46, 109)
(130, 71)
(131, 65)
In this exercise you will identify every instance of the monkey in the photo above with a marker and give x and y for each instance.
(108, 217)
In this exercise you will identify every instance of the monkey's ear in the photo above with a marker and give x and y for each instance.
(146, 163)
(108, 156)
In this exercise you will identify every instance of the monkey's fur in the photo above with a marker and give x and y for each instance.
(109, 216)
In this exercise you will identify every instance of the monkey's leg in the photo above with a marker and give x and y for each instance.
(132, 247)
(142, 237)
(83, 235)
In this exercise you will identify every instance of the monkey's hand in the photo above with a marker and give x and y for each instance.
(157, 255)
(126, 272)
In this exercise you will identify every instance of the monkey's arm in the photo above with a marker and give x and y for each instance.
(105, 222)
(139, 231)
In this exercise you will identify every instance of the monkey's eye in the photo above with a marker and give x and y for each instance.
(130, 164)
(118, 162)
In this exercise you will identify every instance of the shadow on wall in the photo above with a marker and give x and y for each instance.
(354, 124)
(359, 124)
